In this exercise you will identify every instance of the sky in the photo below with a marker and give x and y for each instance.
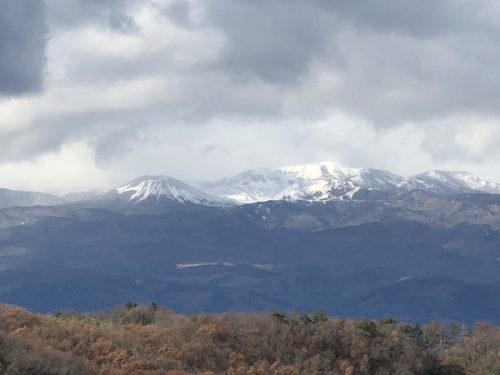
(96, 92)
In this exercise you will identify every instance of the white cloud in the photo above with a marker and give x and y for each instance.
(201, 89)
(71, 167)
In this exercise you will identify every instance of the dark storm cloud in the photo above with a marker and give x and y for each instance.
(272, 40)
(23, 36)
(277, 40)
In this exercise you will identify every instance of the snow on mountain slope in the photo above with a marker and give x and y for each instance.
(442, 182)
(326, 180)
(164, 187)
(314, 182)
(331, 180)
(250, 186)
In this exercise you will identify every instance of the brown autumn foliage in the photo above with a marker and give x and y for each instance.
(151, 340)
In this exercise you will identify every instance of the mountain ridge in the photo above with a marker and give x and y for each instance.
(314, 182)
(15, 198)
(328, 180)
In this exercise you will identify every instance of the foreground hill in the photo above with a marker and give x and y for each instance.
(151, 340)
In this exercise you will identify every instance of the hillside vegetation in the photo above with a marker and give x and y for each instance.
(152, 340)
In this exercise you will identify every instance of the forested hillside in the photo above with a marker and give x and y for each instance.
(151, 340)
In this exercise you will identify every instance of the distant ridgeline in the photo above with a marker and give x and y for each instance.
(151, 340)
(352, 242)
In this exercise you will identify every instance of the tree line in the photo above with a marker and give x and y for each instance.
(135, 339)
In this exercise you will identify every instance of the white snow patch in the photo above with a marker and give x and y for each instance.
(183, 266)
(266, 267)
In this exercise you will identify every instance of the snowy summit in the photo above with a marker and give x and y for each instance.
(331, 180)
(164, 187)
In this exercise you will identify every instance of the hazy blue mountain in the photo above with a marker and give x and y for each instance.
(369, 243)
(260, 257)
(13, 198)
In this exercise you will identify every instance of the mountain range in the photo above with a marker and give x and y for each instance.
(318, 182)
(330, 180)
(353, 242)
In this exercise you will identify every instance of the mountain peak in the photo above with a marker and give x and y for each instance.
(329, 180)
(314, 182)
(165, 187)
(321, 169)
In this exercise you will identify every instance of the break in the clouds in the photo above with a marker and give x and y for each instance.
(96, 92)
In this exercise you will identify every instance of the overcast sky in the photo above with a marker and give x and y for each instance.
(96, 92)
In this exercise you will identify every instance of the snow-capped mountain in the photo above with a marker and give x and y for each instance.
(316, 182)
(326, 180)
(331, 180)
(250, 186)
(13, 198)
(442, 182)
(157, 188)
(310, 182)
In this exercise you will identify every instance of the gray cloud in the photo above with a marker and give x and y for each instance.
(395, 61)
(421, 19)
(275, 41)
(23, 36)
(64, 14)
(143, 67)
(178, 12)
